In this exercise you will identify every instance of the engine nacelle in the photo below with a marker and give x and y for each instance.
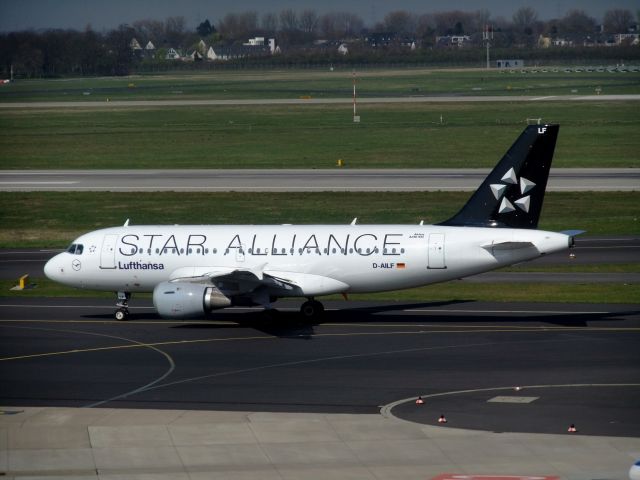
(187, 300)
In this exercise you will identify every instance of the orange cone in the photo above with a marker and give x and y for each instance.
(419, 401)
(442, 419)
(572, 428)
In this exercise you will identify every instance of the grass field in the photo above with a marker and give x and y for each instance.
(53, 219)
(593, 134)
(297, 83)
(459, 290)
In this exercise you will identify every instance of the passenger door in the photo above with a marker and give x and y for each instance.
(436, 252)
(108, 252)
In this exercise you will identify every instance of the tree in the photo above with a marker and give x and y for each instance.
(174, 28)
(269, 23)
(309, 21)
(340, 25)
(288, 20)
(425, 29)
(453, 22)
(481, 18)
(399, 21)
(119, 50)
(617, 21)
(577, 21)
(205, 29)
(150, 30)
(525, 17)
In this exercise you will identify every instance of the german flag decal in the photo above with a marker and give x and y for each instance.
(400, 265)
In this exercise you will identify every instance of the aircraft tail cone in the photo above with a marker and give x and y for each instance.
(572, 428)
(419, 401)
(442, 419)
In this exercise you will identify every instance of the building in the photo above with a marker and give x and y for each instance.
(510, 63)
(453, 40)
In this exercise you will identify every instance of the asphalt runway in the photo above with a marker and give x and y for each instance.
(323, 101)
(293, 180)
(361, 357)
(588, 251)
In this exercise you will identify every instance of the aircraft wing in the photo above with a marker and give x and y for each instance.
(243, 280)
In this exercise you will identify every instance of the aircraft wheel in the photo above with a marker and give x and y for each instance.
(122, 314)
(311, 309)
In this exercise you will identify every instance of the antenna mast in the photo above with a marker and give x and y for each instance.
(487, 36)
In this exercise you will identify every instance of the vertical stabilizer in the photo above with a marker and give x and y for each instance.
(511, 196)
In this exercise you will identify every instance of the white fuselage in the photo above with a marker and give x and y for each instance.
(320, 259)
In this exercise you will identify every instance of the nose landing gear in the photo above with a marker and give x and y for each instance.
(122, 313)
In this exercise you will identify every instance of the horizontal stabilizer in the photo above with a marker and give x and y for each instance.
(508, 246)
(573, 233)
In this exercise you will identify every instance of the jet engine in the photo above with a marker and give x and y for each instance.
(187, 300)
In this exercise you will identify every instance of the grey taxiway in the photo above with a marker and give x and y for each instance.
(293, 180)
(245, 396)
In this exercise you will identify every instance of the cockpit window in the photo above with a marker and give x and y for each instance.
(75, 249)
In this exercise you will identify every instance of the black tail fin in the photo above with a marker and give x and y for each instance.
(512, 194)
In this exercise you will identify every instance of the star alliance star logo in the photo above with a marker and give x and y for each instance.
(510, 178)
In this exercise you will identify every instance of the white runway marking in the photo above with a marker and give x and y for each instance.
(527, 312)
(39, 183)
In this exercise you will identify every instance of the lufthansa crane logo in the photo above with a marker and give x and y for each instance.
(76, 265)
(510, 178)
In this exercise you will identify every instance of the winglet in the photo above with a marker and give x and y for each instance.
(354, 221)
(126, 224)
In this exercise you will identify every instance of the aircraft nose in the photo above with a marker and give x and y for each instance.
(52, 268)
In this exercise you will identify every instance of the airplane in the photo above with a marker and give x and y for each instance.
(193, 270)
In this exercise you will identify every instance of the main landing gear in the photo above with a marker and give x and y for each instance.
(122, 313)
(311, 309)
